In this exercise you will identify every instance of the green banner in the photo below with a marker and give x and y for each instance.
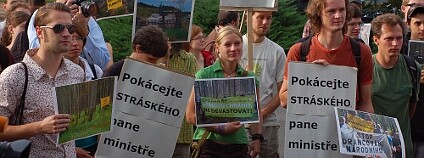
(240, 106)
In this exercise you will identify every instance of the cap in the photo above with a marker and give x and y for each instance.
(415, 9)
(356, 1)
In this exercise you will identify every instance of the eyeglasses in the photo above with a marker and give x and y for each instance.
(59, 28)
(199, 38)
(410, 4)
(355, 24)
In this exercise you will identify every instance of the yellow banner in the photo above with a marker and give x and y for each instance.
(114, 4)
(360, 124)
(105, 101)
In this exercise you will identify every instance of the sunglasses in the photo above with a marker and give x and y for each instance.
(59, 28)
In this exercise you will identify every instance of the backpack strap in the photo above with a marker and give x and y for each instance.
(93, 70)
(304, 47)
(356, 50)
(412, 68)
(19, 111)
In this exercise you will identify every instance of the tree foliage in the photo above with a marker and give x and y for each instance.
(287, 24)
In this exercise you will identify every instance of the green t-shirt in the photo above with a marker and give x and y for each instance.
(239, 137)
(391, 91)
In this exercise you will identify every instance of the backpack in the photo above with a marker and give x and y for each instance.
(306, 43)
(412, 67)
(356, 50)
(21, 44)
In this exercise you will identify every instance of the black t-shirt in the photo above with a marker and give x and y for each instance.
(115, 69)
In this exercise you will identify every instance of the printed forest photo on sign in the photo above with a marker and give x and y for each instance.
(173, 16)
(90, 106)
(219, 101)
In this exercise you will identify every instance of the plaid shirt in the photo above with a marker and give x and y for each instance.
(183, 62)
(307, 31)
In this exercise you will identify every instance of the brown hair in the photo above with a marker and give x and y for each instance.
(152, 40)
(16, 18)
(389, 19)
(405, 2)
(195, 30)
(15, 6)
(314, 11)
(355, 10)
(44, 12)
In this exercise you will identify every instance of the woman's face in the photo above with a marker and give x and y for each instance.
(76, 47)
(197, 42)
(230, 48)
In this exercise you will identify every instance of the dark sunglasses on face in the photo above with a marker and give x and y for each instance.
(59, 28)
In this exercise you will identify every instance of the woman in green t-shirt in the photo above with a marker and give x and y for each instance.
(229, 140)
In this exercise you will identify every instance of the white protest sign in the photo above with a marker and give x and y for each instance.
(137, 137)
(153, 93)
(248, 3)
(319, 88)
(149, 109)
(313, 91)
(370, 135)
(311, 136)
(365, 32)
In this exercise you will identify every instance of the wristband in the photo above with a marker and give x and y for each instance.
(257, 136)
(220, 129)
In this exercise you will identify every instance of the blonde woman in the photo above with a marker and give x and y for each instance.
(229, 140)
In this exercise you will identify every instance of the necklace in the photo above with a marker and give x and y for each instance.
(229, 74)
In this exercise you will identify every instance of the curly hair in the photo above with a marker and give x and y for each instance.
(314, 11)
(152, 40)
(16, 18)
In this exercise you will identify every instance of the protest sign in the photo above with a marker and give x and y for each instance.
(320, 88)
(370, 135)
(263, 5)
(416, 50)
(174, 17)
(114, 8)
(83, 101)
(137, 137)
(223, 100)
(365, 32)
(149, 106)
(313, 91)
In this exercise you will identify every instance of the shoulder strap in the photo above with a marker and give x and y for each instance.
(412, 67)
(356, 50)
(93, 69)
(304, 47)
(19, 112)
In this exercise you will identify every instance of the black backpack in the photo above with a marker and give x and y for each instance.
(21, 44)
(356, 47)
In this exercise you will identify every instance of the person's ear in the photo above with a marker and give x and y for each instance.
(376, 40)
(39, 32)
(10, 29)
(137, 48)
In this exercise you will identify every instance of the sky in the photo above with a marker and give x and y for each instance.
(187, 6)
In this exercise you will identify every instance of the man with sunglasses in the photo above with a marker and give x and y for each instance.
(95, 50)
(46, 68)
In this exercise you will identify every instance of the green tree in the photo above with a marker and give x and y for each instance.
(205, 14)
(287, 24)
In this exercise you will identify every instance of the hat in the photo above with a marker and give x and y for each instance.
(415, 9)
(356, 1)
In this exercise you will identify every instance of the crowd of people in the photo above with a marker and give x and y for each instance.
(54, 44)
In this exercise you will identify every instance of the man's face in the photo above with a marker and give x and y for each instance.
(333, 16)
(405, 8)
(390, 41)
(417, 27)
(353, 27)
(261, 22)
(56, 42)
(8, 3)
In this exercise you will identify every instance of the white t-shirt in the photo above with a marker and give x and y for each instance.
(2, 25)
(268, 66)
